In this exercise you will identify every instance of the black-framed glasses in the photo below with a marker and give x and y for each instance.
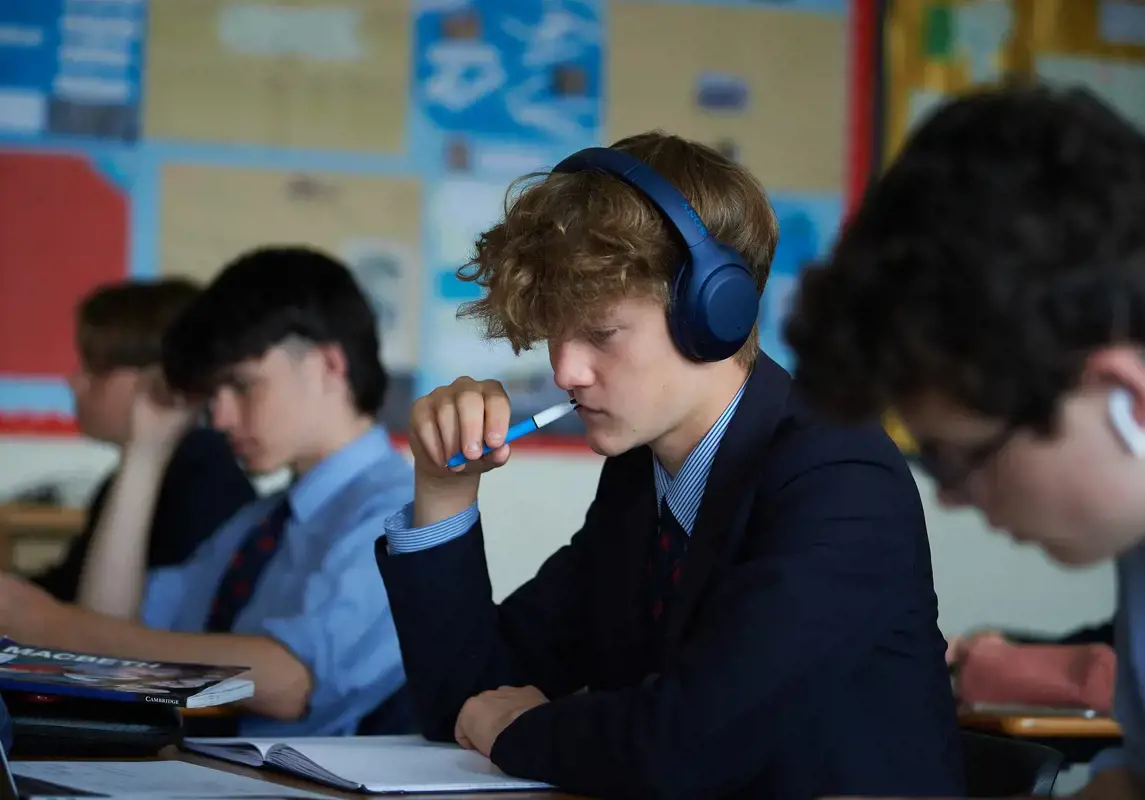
(951, 472)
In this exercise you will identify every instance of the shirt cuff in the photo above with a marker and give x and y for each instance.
(402, 537)
(1109, 758)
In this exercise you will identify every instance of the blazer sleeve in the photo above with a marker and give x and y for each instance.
(456, 642)
(826, 556)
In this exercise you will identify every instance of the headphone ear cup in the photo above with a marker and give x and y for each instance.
(682, 313)
(1125, 425)
(715, 305)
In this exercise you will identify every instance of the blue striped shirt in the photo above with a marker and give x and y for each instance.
(684, 493)
(686, 490)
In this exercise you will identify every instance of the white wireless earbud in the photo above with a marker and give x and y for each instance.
(1128, 429)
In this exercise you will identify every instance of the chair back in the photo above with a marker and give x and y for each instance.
(997, 766)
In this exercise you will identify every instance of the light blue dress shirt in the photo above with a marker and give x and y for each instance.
(1129, 640)
(320, 596)
(684, 493)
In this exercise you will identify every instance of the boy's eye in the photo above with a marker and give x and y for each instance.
(602, 335)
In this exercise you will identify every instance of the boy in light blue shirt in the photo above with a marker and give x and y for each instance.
(282, 350)
(990, 290)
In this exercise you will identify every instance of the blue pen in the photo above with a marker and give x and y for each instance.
(524, 427)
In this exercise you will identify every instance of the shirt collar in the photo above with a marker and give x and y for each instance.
(312, 490)
(686, 490)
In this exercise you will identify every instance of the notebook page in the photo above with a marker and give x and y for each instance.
(245, 751)
(167, 779)
(405, 764)
(230, 690)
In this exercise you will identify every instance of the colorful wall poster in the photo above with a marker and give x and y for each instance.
(500, 87)
(71, 70)
(807, 228)
(63, 228)
(145, 138)
(312, 76)
(716, 69)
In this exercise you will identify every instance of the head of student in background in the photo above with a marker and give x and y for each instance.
(583, 263)
(283, 347)
(990, 291)
(119, 328)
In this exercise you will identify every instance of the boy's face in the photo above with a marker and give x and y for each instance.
(632, 385)
(272, 408)
(103, 402)
(1077, 494)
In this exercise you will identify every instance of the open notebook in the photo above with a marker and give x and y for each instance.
(376, 764)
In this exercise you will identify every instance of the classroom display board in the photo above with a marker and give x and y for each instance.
(163, 137)
(936, 50)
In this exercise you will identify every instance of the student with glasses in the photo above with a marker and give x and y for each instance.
(991, 291)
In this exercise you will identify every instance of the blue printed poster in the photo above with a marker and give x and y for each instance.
(71, 69)
(808, 225)
(505, 88)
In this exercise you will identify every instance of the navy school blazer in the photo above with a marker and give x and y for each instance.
(802, 654)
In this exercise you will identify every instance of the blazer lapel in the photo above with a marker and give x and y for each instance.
(730, 489)
(632, 510)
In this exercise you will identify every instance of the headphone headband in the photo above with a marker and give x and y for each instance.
(714, 299)
(666, 197)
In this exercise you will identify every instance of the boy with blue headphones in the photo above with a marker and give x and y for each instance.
(991, 291)
(748, 608)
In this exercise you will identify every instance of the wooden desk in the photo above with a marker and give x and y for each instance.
(1041, 727)
(1078, 739)
(280, 779)
(46, 528)
(210, 712)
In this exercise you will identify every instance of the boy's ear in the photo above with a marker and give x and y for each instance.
(334, 364)
(1118, 366)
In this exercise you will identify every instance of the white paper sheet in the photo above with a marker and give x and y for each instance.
(177, 780)
(408, 764)
(384, 764)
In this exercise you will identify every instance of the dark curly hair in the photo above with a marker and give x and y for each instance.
(1004, 244)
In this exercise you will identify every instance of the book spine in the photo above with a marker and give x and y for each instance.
(92, 693)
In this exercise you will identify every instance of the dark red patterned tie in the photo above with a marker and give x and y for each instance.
(665, 561)
(239, 581)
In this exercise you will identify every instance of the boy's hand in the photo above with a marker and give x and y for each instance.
(462, 417)
(159, 417)
(485, 716)
(958, 647)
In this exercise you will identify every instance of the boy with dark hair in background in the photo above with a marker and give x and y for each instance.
(749, 603)
(282, 349)
(119, 331)
(990, 291)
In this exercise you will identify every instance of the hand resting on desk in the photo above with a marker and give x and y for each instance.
(485, 715)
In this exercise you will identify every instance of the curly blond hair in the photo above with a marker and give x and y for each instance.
(572, 245)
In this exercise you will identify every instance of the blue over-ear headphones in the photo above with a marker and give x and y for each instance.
(714, 301)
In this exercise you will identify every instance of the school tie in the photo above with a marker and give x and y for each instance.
(665, 561)
(247, 564)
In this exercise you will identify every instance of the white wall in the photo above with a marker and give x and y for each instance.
(534, 504)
